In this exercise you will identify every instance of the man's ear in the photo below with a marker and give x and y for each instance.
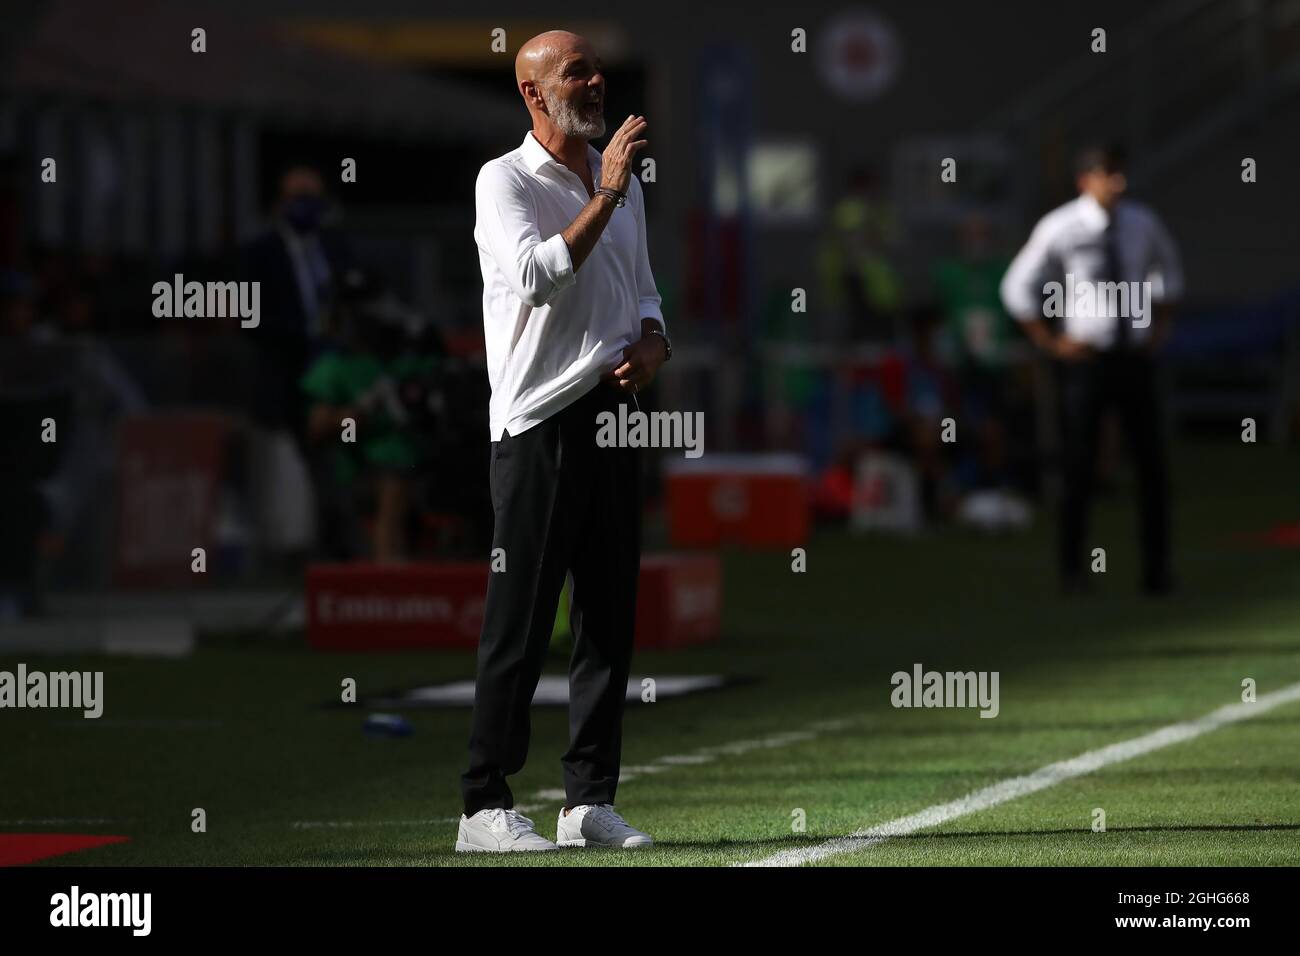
(532, 95)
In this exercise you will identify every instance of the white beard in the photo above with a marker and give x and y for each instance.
(569, 121)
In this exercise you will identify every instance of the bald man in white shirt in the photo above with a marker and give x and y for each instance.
(573, 328)
(1107, 268)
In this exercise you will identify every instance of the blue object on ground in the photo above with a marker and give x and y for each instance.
(387, 725)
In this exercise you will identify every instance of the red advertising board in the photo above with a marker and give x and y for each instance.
(354, 607)
(757, 501)
(359, 606)
(679, 600)
(169, 474)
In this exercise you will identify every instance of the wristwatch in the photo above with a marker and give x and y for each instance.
(668, 345)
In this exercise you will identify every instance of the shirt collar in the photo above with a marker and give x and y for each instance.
(536, 156)
(1093, 212)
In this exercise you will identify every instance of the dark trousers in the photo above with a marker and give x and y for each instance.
(1124, 381)
(563, 506)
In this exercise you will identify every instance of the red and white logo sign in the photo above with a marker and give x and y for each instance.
(860, 55)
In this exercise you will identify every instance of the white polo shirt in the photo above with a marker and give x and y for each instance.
(552, 332)
(1071, 239)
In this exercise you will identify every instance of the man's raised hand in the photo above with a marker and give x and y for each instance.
(616, 160)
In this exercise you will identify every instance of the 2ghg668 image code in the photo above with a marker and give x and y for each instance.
(1193, 897)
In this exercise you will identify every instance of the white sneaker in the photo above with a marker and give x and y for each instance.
(598, 825)
(499, 831)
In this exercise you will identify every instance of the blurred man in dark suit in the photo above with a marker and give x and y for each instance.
(301, 262)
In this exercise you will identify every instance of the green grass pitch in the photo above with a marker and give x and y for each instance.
(241, 728)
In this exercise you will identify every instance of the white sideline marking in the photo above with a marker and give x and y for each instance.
(165, 723)
(701, 756)
(61, 821)
(1040, 779)
(547, 797)
(343, 824)
(524, 808)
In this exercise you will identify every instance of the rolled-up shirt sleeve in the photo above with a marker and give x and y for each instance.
(1021, 288)
(646, 290)
(536, 267)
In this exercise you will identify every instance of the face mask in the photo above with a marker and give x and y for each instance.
(304, 213)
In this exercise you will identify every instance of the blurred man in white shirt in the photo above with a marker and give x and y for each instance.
(1107, 269)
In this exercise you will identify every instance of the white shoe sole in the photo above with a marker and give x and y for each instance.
(463, 847)
(582, 842)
